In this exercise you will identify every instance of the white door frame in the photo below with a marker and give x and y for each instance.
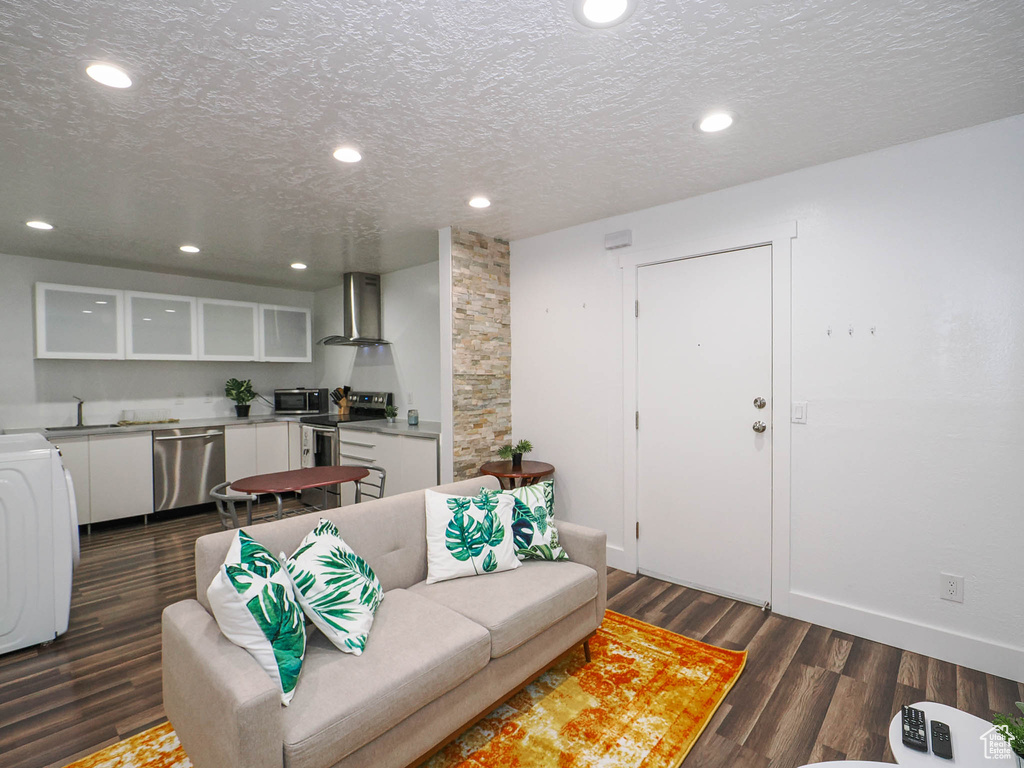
(780, 239)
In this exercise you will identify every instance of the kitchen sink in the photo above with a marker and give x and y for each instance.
(83, 426)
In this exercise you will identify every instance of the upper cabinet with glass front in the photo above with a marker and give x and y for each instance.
(80, 323)
(159, 327)
(285, 334)
(228, 330)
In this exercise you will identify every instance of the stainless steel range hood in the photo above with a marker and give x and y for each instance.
(362, 311)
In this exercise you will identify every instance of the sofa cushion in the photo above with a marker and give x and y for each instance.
(533, 522)
(417, 651)
(468, 535)
(515, 606)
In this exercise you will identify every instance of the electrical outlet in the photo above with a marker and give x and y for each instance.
(951, 587)
(209, 397)
(179, 399)
(409, 399)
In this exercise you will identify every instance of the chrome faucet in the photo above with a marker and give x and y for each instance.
(81, 402)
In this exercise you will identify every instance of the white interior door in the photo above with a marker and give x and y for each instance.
(704, 353)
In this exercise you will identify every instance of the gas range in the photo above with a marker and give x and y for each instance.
(362, 406)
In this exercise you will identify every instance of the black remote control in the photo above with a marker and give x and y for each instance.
(914, 735)
(941, 745)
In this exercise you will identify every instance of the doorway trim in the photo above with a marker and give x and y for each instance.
(780, 238)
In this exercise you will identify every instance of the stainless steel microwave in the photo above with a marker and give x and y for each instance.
(301, 401)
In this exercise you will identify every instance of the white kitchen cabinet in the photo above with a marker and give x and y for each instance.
(120, 476)
(159, 326)
(79, 323)
(410, 462)
(228, 330)
(272, 447)
(74, 452)
(239, 451)
(285, 334)
(294, 445)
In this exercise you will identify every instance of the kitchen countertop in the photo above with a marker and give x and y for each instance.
(430, 429)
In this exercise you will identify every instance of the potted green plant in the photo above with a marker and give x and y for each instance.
(514, 453)
(242, 393)
(390, 413)
(1012, 729)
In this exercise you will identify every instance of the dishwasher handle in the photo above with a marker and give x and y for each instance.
(187, 437)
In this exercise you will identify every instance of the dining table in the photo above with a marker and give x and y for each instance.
(278, 483)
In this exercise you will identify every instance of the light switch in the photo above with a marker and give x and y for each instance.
(799, 413)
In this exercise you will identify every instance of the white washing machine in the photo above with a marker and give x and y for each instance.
(38, 542)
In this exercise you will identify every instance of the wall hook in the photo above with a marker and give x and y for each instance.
(872, 330)
(829, 331)
(851, 330)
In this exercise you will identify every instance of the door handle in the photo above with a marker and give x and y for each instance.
(760, 426)
(358, 458)
(189, 437)
(759, 402)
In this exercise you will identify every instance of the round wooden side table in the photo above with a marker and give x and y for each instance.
(527, 474)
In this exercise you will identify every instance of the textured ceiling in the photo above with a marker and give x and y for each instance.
(226, 138)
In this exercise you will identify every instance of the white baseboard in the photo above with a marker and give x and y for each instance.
(616, 558)
(976, 653)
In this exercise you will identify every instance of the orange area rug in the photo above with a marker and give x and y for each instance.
(641, 703)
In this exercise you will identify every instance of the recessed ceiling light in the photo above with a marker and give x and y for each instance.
(38, 225)
(714, 122)
(147, 319)
(188, 249)
(347, 155)
(101, 302)
(602, 13)
(479, 202)
(172, 311)
(86, 311)
(109, 75)
(298, 265)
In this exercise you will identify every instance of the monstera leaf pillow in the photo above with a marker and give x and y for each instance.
(255, 608)
(336, 588)
(468, 536)
(533, 522)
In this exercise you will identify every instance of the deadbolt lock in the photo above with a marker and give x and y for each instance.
(760, 426)
(759, 402)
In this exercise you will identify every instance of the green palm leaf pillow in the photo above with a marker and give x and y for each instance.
(336, 588)
(533, 522)
(255, 608)
(468, 536)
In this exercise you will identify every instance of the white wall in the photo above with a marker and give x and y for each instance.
(410, 366)
(35, 393)
(910, 460)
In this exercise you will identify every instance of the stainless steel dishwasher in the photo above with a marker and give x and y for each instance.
(187, 463)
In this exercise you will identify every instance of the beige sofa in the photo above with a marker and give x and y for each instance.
(438, 658)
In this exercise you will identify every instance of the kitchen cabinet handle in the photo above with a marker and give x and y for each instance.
(188, 437)
(361, 445)
(358, 458)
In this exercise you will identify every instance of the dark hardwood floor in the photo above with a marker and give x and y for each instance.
(807, 693)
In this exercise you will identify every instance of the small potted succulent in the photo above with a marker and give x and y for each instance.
(515, 452)
(390, 413)
(1012, 729)
(242, 393)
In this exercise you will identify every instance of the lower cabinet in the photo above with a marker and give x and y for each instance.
(120, 476)
(74, 452)
(410, 462)
(256, 449)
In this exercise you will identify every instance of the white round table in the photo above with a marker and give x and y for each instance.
(966, 733)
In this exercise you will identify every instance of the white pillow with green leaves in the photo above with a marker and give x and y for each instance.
(336, 588)
(255, 607)
(533, 522)
(468, 535)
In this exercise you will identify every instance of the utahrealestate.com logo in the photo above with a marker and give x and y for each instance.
(996, 746)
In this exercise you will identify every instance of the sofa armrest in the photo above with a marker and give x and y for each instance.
(225, 709)
(587, 546)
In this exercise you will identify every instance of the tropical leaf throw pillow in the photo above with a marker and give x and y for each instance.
(255, 608)
(533, 522)
(336, 588)
(468, 536)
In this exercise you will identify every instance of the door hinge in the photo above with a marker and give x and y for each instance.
(638, 529)
(636, 308)
(638, 419)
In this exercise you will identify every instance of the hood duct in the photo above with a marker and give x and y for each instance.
(362, 310)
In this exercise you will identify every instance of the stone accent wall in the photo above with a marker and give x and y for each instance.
(481, 349)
